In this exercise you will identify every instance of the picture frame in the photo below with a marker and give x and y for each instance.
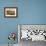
(41, 28)
(10, 12)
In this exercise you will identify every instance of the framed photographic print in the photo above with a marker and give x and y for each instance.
(11, 12)
(33, 32)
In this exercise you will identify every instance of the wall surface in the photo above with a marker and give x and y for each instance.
(29, 12)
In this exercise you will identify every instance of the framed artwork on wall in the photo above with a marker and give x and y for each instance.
(11, 12)
(33, 32)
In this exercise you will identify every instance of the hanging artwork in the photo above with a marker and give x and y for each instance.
(11, 12)
(32, 32)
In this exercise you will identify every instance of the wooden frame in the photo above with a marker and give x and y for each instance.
(11, 12)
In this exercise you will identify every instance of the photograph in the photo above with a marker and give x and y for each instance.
(11, 12)
(32, 32)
